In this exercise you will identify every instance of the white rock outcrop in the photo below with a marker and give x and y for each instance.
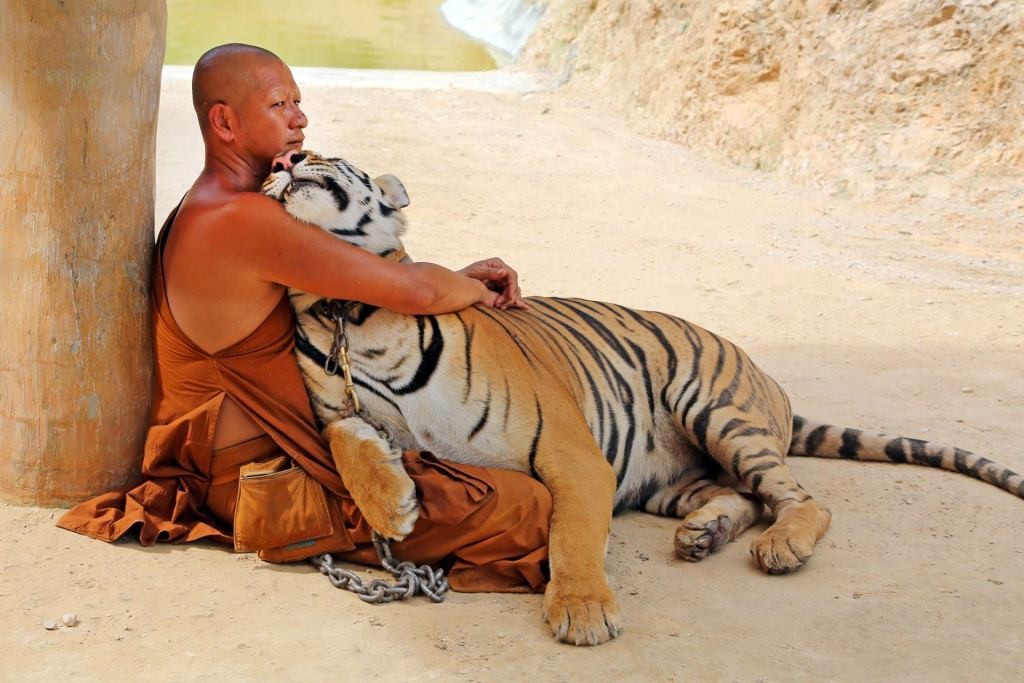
(855, 96)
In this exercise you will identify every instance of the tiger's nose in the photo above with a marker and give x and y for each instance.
(285, 162)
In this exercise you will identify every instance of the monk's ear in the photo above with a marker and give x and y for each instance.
(222, 121)
(393, 189)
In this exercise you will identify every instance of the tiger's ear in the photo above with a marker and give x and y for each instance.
(393, 189)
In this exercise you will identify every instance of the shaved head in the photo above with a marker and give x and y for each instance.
(223, 75)
(248, 106)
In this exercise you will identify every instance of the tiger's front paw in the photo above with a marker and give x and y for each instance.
(588, 617)
(373, 473)
(392, 509)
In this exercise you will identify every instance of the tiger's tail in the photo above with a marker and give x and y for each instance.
(819, 440)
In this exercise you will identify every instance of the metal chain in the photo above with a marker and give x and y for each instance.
(411, 579)
(338, 357)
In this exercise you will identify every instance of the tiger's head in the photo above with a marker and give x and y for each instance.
(343, 200)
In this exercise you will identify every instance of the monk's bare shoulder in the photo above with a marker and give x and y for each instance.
(253, 204)
(251, 235)
(219, 220)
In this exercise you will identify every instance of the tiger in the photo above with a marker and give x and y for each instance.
(611, 408)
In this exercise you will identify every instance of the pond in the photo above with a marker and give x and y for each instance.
(357, 34)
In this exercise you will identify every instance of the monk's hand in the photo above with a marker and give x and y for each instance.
(498, 277)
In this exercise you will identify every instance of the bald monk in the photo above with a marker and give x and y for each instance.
(227, 389)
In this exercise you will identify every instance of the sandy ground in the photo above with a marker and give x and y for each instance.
(907, 318)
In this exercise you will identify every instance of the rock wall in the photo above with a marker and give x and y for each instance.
(857, 97)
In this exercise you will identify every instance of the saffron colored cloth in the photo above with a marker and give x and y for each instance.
(488, 528)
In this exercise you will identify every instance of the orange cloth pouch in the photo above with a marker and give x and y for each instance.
(338, 540)
(278, 504)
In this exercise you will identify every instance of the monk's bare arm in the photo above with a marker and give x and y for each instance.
(498, 277)
(272, 246)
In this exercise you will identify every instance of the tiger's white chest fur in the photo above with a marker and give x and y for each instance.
(427, 406)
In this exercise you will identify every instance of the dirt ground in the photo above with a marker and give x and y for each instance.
(905, 318)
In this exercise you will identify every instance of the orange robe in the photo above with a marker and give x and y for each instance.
(487, 527)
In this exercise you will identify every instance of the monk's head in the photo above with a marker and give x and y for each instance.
(247, 102)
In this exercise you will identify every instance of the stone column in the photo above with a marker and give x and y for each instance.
(79, 92)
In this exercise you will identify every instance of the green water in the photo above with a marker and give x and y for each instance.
(358, 34)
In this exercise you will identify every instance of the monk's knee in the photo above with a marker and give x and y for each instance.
(529, 501)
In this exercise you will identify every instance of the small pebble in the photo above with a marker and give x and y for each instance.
(967, 390)
(49, 624)
(70, 620)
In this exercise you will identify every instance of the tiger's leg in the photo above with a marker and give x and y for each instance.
(578, 604)
(373, 473)
(756, 459)
(712, 514)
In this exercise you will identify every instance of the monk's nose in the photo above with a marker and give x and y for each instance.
(285, 162)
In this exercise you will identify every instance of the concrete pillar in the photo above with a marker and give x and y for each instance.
(79, 92)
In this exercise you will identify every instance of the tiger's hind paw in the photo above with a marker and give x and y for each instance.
(788, 543)
(697, 538)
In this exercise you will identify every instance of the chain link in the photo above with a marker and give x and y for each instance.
(411, 579)
(338, 357)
